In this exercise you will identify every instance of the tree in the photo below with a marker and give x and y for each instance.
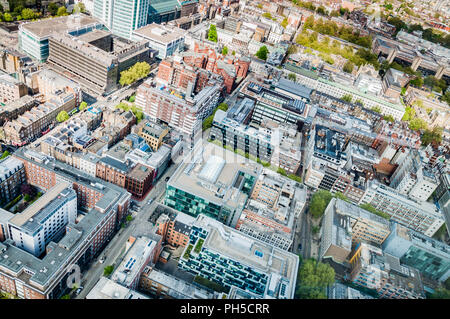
(262, 53)
(341, 196)
(417, 124)
(62, 116)
(267, 15)
(62, 11)
(313, 278)
(4, 155)
(108, 270)
(7, 17)
(433, 136)
(129, 218)
(347, 98)
(375, 211)
(212, 34)
(52, 8)
(376, 109)
(319, 201)
(441, 293)
(83, 105)
(224, 50)
(292, 77)
(389, 118)
(79, 7)
(28, 14)
(348, 67)
(284, 23)
(134, 73)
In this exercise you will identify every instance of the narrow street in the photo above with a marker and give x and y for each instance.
(117, 245)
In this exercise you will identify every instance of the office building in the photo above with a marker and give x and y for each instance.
(229, 258)
(152, 133)
(373, 269)
(163, 38)
(431, 257)
(275, 143)
(143, 251)
(108, 289)
(34, 35)
(96, 58)
(341, 291)
(215, 182)
(122, 17)
(413, 177)
(423, 217)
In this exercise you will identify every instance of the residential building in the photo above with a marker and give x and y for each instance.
(230, 258)
(430, 256)
(373, 269)
(173, 226)
(11, 89)
(214, 182)
(179, 110)
(12, 176)
(162, 285)
(12, 110)
(139, 180)
(44, 220)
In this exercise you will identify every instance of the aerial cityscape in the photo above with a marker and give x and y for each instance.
(225, 149)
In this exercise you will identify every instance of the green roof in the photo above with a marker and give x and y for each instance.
(302, 71)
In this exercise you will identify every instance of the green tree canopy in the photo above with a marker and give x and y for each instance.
(347, 98)
(62, 11)
(134, 73)
(225, 50)
(262, 53)
(292, 77)
(313, 278)
(319, 202)
(79, 7)
(82, 106)
(433, 136)
(417, 124)
(52, 8)
(8, 17)
(348, 67)
(375, 211)
(267, 15)
(62, 116)
(212, 34)
(284, 23)
(28, 14)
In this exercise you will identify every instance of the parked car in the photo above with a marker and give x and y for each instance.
(149, 201)
(102, 260)
(167, 178)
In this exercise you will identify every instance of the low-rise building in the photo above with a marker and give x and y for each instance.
(108, 289)
(12, 176)
(11, 89)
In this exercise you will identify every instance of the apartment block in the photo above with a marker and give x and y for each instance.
(45, 220)
(173, 226)
(12, 176)
(179, 110)
(11, 89)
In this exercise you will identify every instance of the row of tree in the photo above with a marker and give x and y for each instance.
(19, 12)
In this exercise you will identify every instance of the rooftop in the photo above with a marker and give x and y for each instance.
(163, 34)
(66, 24)
(108, 289)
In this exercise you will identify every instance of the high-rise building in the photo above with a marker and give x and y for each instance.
(231, 259)
(122, 17)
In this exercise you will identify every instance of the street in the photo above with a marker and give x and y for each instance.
(115, 248)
